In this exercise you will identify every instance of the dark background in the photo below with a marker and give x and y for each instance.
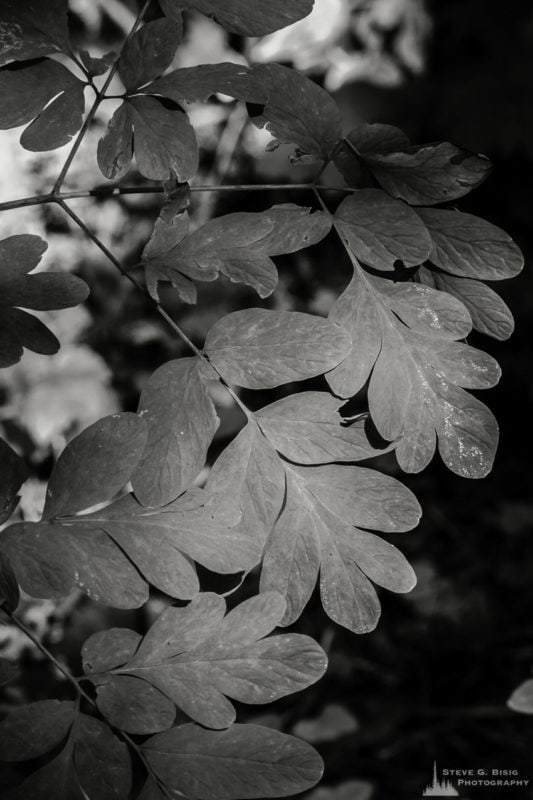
(433, 680)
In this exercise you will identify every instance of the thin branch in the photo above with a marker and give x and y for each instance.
(160, 310)
(117, 191)
(98, 99)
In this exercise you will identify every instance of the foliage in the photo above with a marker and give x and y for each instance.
(123, 508)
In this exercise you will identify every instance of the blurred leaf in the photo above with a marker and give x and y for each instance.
(244, 761)
(26, 90)
(20, 255)
(297, 112)
(13, 473)
(469, 246)
(246, 17)
(306, 428)
(261, 349)
(333, 722)
(30, 29)
(8, 671)
(522, 698)
(380, 230)
(181, 422)
(9, 590)
(148, 52)
(349, 790)
(196, 657)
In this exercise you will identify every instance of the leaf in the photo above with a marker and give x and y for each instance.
(148, 52)
(239, 245)
(97, 65)
(380, 230)
(307, 428)
(163, 139)
(197, 658)
(521, 699)
(470, 247)
(198, 84)
(415, 370)
(93, 762)
(245, 17)
(244, 761)
(13, 473)
(32, 730)
(260, 349)
(490, 315)
(133, 705)
(109, 451)
(9, 590)
(347, 790)
(30, 30)
(419, 174)
(333, 722)
(8, 671)
(105, 650)
(26, 90)
(248, 475)
(20, 255)
(297, 112)
(181, 422)
(314, 533)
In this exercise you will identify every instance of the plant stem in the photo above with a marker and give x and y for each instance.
(160, 310)
(116, 191)
(98, 99)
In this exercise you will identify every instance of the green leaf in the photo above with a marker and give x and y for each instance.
(297, 112)
(490, 315)
(307, 428)
(419, 174)
(163, 139)
(19, 255)
(13, 473)
(32, 730)
(26, 90)
(470, 247)
(248, 476)
(244, 761)
(522, 698)
(261, 349)
(149, 52)
(314, 533)
(239, 245)
(8, 671)
(246, 17)
(415, 371)
(95, 465)
(30, 30)
(380, 230)
(198, 84)
(9, 590)
(197, 657)
(181, 422)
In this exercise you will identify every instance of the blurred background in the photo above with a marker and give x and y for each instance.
(432, 681)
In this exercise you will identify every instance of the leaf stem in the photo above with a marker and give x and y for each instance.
(100, 94)
(158, 307)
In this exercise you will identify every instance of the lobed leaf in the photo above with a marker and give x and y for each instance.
(245, 17)
(297, 112)
(19, 255)
(381, 230)
(261, 349)
(196, 657)
(181, 421)
(470, 247)
(315, 534)
(415, 370)
(198, 84)
(46, 92)
(307, 428)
